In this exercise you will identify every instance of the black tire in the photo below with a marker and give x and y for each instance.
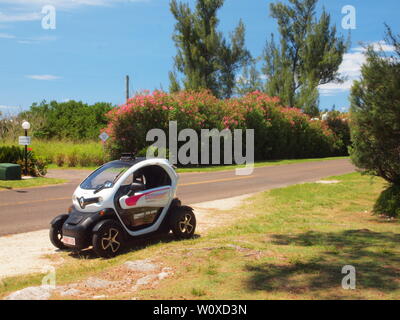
(55, 234)
(183, 222)
(109, 239)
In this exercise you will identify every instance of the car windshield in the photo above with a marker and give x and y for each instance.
(106, 176)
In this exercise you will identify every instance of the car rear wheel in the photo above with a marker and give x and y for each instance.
(183, 222)
(108, 240)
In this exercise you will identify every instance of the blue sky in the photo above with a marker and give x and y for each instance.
(97, 42)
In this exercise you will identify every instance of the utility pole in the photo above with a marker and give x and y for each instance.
(127, 88)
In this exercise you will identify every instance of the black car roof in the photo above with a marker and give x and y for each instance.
(131, 162)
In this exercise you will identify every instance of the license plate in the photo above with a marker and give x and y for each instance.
(68, 240)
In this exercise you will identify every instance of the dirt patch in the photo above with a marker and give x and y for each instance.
(217, 213)
(24, 253)
(125, 279)
(35, 252)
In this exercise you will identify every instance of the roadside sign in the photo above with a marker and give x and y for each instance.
(24, 140)
(104, 137)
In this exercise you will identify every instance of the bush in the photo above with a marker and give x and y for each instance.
(388, 203)
(280, 132)
(375, 126)
(340, 125)
(37, 166)
(71, 120)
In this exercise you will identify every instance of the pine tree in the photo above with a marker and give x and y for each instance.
(308, 55)
(375, 122)
(250, 80)
(205, 58)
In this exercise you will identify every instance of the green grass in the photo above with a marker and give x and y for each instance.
(28, 183)
(90, 155)
(222, 168)
(288, 243)
(256, 165)
(67, 153)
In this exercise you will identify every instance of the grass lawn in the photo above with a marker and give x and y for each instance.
(288, 243)
(257, 164)
(34, 182)
(221, 168)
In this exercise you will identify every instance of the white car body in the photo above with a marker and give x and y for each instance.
(160, 197)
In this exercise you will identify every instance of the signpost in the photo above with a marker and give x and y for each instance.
(25, 141)
(104, 137)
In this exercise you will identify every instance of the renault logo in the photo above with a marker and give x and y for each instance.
(81, 201)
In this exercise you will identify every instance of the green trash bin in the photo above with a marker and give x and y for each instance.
(10, 171)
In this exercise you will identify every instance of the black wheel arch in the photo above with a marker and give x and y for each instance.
(59, 220)
(101, 223)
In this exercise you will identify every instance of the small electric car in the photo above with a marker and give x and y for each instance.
(120, 201)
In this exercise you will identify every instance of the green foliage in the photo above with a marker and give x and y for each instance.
(205, 58)
(375, 114)
(388, 203)
(69, 153)
(309, 54)
(72, 120)
(250, 80)
(37, 166)
(340, 125)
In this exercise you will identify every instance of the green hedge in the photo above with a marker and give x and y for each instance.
(280, 132)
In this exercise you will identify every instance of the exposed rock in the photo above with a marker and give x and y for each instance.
(71, 292)
(99, 297)
(144, 281)
(96, 283)
(163, 275)
(141, 265)
(32, 293)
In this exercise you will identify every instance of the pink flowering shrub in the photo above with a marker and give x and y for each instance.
(280, 132)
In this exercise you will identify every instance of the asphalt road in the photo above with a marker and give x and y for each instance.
(32, 209)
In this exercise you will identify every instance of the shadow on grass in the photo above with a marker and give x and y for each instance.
(373, 255)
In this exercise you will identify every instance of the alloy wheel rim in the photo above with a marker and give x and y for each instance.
(109, 241)
(185, 225)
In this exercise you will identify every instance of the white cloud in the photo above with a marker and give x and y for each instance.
(32, 8)
(7, 111)
(7, 107)
(36, 40)
(64, 4)
(29, 16)
(43, 77)
(351, 68)
(379, 45)
(6, 36)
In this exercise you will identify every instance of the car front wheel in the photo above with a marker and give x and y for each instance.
(108, 240)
